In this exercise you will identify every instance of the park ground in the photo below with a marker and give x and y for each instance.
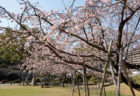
(16, 90)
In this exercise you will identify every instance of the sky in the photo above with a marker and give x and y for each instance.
(13, 6)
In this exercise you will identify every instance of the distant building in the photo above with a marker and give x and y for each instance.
(134, 58)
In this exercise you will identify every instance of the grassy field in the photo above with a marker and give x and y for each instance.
(15, 90)
(136, 78)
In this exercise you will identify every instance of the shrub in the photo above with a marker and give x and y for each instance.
(16, 81)
(4, 81)
(37, 79)
(92, 80)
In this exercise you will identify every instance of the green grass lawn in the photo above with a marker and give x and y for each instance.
(15, 90)
(136, 78)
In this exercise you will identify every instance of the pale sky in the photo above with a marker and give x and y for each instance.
(13, 6)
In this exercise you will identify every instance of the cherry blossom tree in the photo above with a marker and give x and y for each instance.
(92, 26)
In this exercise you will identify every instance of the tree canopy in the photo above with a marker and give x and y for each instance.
(11, 47)
(92, 25)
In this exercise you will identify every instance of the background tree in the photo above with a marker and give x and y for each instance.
(11, 52)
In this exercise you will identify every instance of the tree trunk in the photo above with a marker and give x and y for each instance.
(64, 80)
(113, 75)
(119, 73)
(26, 79)
(77, 80)
(86, 80)
(23, 79)
(41, 79)
(128, 80)
(33, 81)
(84, 85)
(73, 83)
